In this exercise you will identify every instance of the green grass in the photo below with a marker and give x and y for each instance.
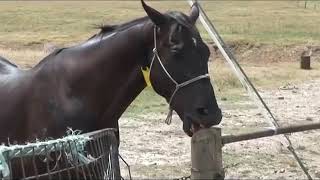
(230, 93)
(228, 89)
(264, 76)
(31, 23)
(279, 22)
(147, 102)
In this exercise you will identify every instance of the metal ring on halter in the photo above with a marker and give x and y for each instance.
(178, 86)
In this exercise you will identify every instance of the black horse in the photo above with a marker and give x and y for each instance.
(89, 86)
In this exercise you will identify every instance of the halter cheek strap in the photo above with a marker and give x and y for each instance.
(146, 75)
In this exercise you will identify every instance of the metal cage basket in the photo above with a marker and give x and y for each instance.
(92, 155)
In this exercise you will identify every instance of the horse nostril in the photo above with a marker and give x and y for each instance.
(203, 111)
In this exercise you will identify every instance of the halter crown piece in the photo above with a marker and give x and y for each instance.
(146, 75)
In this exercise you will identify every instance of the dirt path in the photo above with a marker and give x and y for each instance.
(155, 150)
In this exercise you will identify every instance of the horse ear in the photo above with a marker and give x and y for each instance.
(156, 17)
(194, 14)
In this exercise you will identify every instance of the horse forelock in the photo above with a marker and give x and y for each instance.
(184, 21)
(181, 19)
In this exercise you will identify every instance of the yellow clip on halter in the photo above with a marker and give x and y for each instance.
(146, 76)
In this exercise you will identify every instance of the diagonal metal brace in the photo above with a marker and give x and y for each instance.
(247, 84)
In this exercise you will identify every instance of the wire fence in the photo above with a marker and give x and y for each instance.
(92, 155)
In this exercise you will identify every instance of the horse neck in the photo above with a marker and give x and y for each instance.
(115, 72)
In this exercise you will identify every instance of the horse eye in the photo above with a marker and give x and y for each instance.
(179, 29)
(194, 41)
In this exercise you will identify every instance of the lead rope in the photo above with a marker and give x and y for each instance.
(178, 86)
(169, 116)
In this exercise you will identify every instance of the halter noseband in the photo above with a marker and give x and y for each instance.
(178, 86)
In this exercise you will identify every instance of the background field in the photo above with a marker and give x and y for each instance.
(259, 32)
(268, 38)
(30, 23)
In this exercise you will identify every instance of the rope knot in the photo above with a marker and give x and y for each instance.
(169, 117)
(154, 50)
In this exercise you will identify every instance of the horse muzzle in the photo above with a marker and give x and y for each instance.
(196, 121)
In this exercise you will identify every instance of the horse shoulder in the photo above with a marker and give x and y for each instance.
(54, 105)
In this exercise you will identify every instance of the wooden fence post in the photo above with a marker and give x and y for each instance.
(206, 154)
(305, 62)
(305, 59)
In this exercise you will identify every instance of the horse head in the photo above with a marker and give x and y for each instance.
(179, 68)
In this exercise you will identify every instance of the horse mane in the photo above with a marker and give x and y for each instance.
(104, 29)
(47, 58)
(107, 29)
(6, 65)
(178, 16)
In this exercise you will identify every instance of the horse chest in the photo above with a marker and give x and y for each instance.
(73, 113)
